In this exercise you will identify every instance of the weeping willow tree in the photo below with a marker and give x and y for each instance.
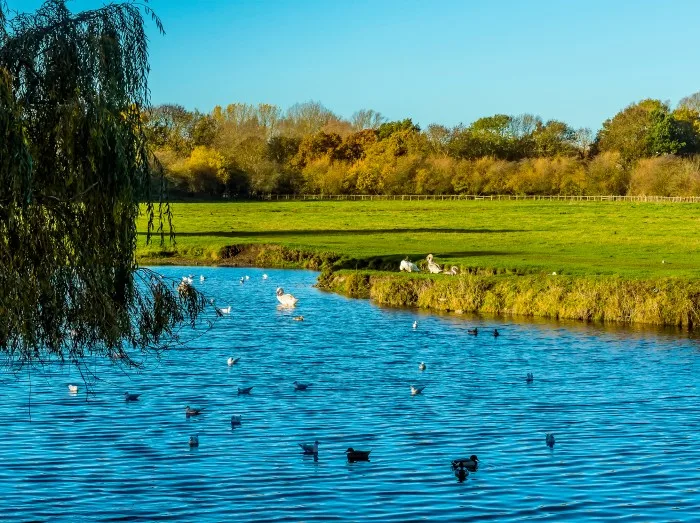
(74, 167)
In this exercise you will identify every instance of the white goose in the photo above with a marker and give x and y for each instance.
(287, 300)
(433, 267)
(408, 266)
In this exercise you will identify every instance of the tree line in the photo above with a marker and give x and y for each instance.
(648, 148)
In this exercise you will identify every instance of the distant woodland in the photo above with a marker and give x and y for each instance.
(648, 148)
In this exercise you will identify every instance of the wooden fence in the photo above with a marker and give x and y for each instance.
(452, 197)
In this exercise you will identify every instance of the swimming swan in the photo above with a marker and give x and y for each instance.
(232, 361)
(287, 300)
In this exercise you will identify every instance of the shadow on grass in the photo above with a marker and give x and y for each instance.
(341, 232)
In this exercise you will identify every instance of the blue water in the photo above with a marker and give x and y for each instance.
(622, 403)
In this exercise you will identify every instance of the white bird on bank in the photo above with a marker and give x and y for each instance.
(232, 361)
(433, 267)
(416, 390)
(287, 300)
(421, 366)
(72, 388)
(453, 271)
(225, 310)
(408, 266)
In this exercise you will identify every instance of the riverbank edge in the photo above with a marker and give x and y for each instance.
(663, 301)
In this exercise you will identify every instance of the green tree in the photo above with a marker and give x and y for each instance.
(74, 165)
(387, 129)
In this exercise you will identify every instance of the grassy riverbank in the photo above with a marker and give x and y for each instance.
(608, 256)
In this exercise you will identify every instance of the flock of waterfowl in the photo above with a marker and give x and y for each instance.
(460, 466)
(407, 265)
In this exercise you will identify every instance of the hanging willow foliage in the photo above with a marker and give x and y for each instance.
(74, 166)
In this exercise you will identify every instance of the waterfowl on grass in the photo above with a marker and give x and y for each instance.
(433, 267)
(549, 440)
(189, 411)
(301, 386)
(408, 266)
(471, 463)
(287, 300)
(416, 390)
(131, 397)
(245, 390)
(452, 271)
(357, 455)
(309, 448)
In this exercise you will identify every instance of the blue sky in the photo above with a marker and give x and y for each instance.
(445, 62)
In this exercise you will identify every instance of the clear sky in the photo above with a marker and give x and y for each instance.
(449, 61)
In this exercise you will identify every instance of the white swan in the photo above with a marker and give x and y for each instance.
(225, 310)
(264, 276)
(421, 366)
(416, 390)
(287, 300)
(202, 278)
(408, 266)
(232, 361)
(453, 271)
(415, 324)
(187, 279)
(247, 277)
(72, 388)
(433, 267)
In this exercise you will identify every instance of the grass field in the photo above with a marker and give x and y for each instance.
(572, 238)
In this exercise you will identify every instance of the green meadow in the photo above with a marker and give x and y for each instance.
(632, 240)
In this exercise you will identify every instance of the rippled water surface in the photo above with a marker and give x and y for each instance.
(623, 406)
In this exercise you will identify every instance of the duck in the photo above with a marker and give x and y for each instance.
(264, 276)
(416, 390)
(225, 310)
(194, 440)
(433, 267)
(530, 377)
(235, 421)
(131, 397)
(496, 334)
(72, 388)
(461, 473)
(473, 332)
(232, 361)
(415, 324)
(309, 448)
(298, 318)
(189, 411)
(453, 271)
(301, 386)
(242, 279)
(421, 366)
(471, 463)
(357, 455)
(408, 266)
(549, 440)
(287, 300)
(245, 390)
(202, 278)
